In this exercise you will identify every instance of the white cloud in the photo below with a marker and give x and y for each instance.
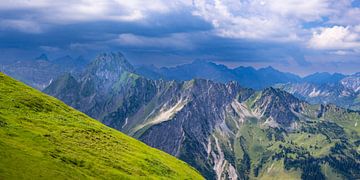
(33, 15)
(336, 38)
(309, 10)
(175, 41)
(341, 52)
(262, 19)
(266, 20)
(277, 20)
(72, 11)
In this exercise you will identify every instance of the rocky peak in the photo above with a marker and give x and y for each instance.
(278, 106)
(268, 68)
(106, 69)
(208, 87)
(109, 62)
(352, 82)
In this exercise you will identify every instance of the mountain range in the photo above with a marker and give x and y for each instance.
(246, 76)
(339, 89)
(317, 88)
(40, 71)
(218, 126)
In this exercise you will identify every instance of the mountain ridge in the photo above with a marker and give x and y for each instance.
(247, 76)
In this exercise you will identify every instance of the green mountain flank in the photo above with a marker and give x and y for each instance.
(42, 138)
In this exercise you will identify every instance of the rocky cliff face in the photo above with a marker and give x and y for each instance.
(223, 130)
(280, 108)
(352, 82)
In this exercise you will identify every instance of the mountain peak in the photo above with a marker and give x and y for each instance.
(323, 78)
(42, 56)
(268, 68)
(279, 106)
(111, 62)
(282, 95)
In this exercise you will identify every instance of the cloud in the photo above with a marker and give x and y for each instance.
(349, 16)
(270, 20)
(172, 41)
(71, 11)
(87, 46)
(281, 32)
(25, 26)
(336, 38)
(50, 48)
(276, 20)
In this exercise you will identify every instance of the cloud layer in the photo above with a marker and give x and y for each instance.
(293, 32)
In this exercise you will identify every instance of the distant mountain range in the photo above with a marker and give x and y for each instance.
(337, 89)
(222, 129)
(246, 76)
(40, 71)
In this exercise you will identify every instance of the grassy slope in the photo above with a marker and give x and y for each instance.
(42, 138)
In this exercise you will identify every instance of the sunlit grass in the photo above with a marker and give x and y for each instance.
(42, 138)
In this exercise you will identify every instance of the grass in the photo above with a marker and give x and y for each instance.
(309, 141)
(42, 138)
(330, 173)
(276, 170)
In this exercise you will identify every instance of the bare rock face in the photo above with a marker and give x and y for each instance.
(352, 82)
(279, 106)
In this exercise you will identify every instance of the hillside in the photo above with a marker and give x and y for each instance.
(42, 138)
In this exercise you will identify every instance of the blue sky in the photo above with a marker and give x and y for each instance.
(292, 35)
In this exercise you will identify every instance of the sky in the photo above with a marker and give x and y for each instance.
(291, 35)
